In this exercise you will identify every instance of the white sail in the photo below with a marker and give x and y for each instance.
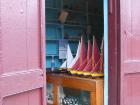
(69, 58)
(64, 65)
(76, 57)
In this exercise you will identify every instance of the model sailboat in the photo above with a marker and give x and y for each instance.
(76, 57)
(81, 59)
(86, 62)
(93, 59)
(88, 67)
(69, 59)
(98, 61)
(89, 55)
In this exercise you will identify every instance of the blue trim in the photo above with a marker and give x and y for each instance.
(106, 52)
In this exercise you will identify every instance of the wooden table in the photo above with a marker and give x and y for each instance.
(94, 86)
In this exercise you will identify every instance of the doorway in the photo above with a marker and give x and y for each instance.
(61, 30)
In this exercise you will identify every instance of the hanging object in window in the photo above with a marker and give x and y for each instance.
(63, 16)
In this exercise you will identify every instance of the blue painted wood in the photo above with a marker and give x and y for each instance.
(55, 30)
(56, 61)
(53, 48)
(106, 52)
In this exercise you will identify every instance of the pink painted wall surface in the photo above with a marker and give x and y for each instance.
(22, 52)
(130, 52)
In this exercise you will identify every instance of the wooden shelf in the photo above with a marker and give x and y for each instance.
(52, 55)
(73, 40)
(53, 8)
(53, 39)
(74, 25)
(53, 23)
(67, 25)
(57, 40)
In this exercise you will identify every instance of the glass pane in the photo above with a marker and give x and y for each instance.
(50, 94)
(68, 96)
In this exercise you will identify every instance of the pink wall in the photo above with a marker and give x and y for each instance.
(130, 52)
(22, 52)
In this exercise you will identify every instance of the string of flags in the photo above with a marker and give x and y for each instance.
(87, 62)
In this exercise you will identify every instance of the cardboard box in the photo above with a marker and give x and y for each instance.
(63, 16)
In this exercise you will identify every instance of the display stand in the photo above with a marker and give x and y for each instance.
(94, 86)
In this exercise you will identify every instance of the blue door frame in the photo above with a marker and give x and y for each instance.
(106, 52)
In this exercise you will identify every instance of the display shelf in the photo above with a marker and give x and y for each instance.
(76, 21)
(57, 62)
(79, 16)
(50, 40)
(52, 8)
(69, 39)
(74, 25)
(94, 87)
(73, 40)
(51, 55)
(67, 25)
(53, 23)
